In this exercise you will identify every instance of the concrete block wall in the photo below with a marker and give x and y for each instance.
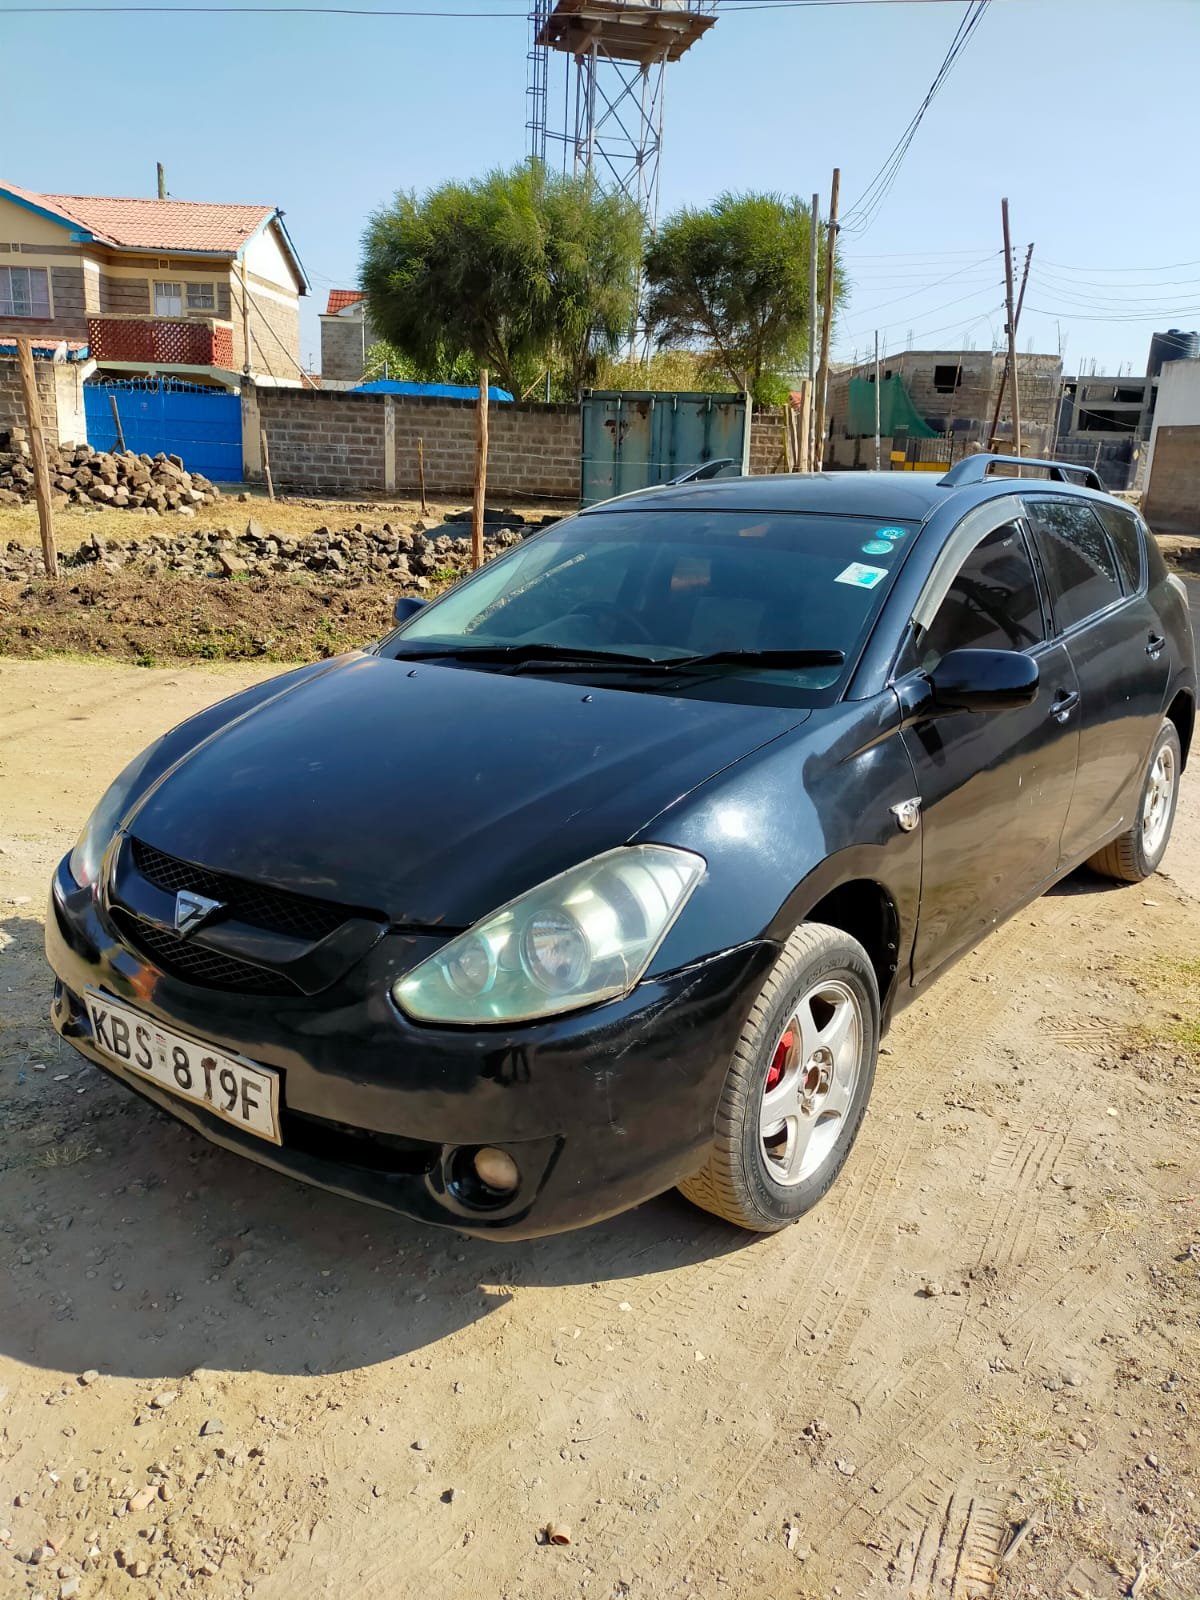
(1172, 499)
(767, 451)
(331, 441)
(274, 335)
(60, 391)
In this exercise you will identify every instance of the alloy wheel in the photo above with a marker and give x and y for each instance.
(1156, 808)
(810, 1084)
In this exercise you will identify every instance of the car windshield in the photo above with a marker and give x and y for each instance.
(771, 608)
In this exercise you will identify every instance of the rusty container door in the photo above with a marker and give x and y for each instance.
(633, 439)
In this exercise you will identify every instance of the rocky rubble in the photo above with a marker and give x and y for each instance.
(412, 558)
(81, 476)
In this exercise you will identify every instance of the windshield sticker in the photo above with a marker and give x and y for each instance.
(891, 533)
(861, 577)
(877, 547)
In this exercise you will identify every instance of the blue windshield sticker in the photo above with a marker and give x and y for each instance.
(877, 547)
(861, 577)
(891, 533)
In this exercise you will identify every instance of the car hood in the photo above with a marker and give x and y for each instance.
(432, 793)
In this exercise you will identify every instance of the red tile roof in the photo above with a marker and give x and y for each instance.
(154, 224)
(339, 299)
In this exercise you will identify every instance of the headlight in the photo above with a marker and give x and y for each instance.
(84, 863)
(585, 936)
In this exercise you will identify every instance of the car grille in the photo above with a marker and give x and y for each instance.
(277, 910)
(208, 969)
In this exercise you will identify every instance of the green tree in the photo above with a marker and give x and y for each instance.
(519, 271)
(383, 360)
(733, 279)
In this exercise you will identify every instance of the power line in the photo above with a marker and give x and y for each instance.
(392, 11)
(936, 284)
(863, 212)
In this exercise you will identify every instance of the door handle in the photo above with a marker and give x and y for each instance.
(1063, 704)
(1155, 645)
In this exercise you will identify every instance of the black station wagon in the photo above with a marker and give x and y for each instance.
(604, 872)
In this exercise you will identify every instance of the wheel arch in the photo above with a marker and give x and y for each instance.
(1182, 712)
(868, 911)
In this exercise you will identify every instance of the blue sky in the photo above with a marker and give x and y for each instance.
(1084, 112)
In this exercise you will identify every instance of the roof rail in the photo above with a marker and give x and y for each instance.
(974, 469)
(707, 469)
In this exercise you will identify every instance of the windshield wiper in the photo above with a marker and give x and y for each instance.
(673, 666)
(534, 650)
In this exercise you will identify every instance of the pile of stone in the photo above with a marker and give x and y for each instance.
(419, 559)
(81, 476)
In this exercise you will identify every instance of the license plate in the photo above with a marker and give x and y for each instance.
(241, 1093)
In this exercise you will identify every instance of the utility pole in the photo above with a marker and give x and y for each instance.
(481, 453)
(1004, 375)
(877, 454)
(826, 322)
(814, 252)
(162, 182)
(1012, 331)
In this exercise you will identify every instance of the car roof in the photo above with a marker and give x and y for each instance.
(906, 496)
(911, 496)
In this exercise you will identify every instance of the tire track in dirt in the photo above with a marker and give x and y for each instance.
(863, 1260)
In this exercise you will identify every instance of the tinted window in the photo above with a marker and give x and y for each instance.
(662, 584)
(992, 604)
(1079, 562)
(1126, 536)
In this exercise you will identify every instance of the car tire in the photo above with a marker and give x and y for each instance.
(1136, 854)
(810, 1042)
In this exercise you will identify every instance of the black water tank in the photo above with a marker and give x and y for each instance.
(1174, 345)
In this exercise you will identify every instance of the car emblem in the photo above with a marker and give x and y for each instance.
(193, 909)
(907, 814)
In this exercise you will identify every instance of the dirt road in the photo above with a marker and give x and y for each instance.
(218, 1383)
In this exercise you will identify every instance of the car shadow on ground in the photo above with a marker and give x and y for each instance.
(129, 1244)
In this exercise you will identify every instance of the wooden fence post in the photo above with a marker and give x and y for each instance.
(37, 444)
(421, 474)
(112, 400)
(266, 462)
(481, 449)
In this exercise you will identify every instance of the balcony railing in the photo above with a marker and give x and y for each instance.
(162, 341)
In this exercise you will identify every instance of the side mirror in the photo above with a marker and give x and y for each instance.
(983, 680)
(407, 605)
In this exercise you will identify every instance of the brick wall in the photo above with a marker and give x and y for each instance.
(1172, 502)
(766, 440)
(124, 296)
(342, 348)
(331, 441)
(274, 336)
(59, 391)
(325, 443)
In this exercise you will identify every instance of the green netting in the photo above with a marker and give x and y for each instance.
(896, 410)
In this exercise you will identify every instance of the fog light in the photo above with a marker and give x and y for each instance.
(497, 1169)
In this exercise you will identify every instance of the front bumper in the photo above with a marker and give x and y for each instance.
(601, 1109)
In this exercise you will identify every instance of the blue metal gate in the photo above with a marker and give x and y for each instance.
(203, 426)
(634, 439)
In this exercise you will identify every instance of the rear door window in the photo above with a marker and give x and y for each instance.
(1081, 568)
(1126, 535)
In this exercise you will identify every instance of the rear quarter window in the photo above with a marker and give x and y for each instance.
(1126, 534)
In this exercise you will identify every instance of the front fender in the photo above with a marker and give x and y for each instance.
(796, 820)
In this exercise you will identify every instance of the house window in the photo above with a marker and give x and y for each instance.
(201, 297)
(168, 299)
(24, 292)
(947, 379)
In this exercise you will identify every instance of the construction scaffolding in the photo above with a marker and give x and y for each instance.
(613, 57)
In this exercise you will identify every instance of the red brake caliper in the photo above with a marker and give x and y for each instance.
(780, 1059)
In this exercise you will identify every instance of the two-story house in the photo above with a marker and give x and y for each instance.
(207, 292)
